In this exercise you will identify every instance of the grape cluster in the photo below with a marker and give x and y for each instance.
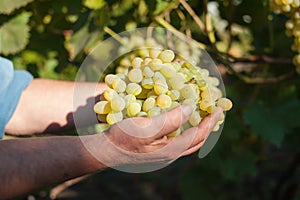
(290, 8)
(156, 82)
(188, 50)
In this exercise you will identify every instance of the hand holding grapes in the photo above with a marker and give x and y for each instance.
(141, 141)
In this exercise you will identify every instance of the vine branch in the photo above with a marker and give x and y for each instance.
(193, 14)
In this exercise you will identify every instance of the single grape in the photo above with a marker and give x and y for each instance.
(190, 91)
(147, 72)
(102, 118)
(224, 103)
(110, 78)
(177, 82)
(164, 101)
(168, 70)
(119, 85)
(175, 133)
(154, 111)
(133, 109)
(129, 98)
(160, 87)
(147, 83)
(143, 94)
(109, 94)
(195, 118)
(136, 62)
(148, 104)
(146, 61)
(114, 117)
(102, 107)
(167, 56)
(216, 128)
(158, 76)
(135, 75)
(133, 88)
(204, 104)
(117, 104)
(142, 114)
(155, 64)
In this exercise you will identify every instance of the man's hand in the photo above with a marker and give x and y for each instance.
(138, 144)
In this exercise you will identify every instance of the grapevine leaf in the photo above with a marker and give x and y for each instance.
(94, 4)
(289, 112)
(265, 123)
(7, 6)
(14, 34)
(161, 6)
(77, 42)
(121, 8)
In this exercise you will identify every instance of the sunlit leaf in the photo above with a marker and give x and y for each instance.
(7, 6)
(161, 6)
(14, 34)
(94, 4)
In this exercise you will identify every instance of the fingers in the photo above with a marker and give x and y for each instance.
(154, 127)
(193, 149)
(201, 132)
(172, 119)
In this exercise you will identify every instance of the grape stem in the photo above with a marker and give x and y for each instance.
(114, 35)
(193, 14)
(261, 59)
(171, 28)
(258, 79)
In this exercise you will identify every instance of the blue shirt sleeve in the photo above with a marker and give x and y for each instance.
(12, 84)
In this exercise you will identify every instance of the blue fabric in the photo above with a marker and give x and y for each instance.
(12, 84)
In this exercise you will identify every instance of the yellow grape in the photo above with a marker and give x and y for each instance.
(164, 101)
(109, 94)
(133, 88)
(148, 104)
(133, 109)
(175, 133)
(167, 56)
(195, 118)
(117, 104)
(114, 117)
(135, 75)
(102, 107)
(160, 87)
(224, 103)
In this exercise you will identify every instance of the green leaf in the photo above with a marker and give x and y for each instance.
(288, 112)
(94, 4)
(161, 6)
(7, 6)
(265, 122)
(77, 42)
(14, 34)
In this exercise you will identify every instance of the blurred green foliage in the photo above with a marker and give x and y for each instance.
(257, 156)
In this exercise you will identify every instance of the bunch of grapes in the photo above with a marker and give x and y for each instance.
(141, 46)
(156, 81)
(290, 8)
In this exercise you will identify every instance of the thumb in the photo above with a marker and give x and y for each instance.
(154, 127)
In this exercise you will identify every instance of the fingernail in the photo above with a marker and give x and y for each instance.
(186, 110)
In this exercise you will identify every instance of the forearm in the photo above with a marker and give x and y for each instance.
(28, 164)
(47, 106)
